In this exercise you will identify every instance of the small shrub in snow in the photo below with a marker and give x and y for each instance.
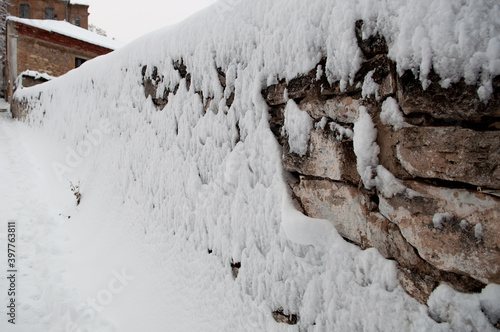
(76, 191)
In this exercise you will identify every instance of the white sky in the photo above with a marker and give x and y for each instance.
(126, 20)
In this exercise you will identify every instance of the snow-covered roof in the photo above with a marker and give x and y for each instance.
(70, 30)
(36, 75)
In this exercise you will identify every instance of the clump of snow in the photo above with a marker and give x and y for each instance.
(490, 302)
(439, 219)
(387, 183)
(285, 94)
(321, 124)
(297, 125)
(370, 87)
(478, 231)
(456, 311)
(392, 115)
(36, 75)
(341, 130)
(302, 229)
(367, 163)
(319, 72)
(464, 224)
(366, 147)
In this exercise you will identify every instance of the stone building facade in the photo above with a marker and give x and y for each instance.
(76, 14)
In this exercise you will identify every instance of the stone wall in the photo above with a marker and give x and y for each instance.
(443, 224)
(440, 218)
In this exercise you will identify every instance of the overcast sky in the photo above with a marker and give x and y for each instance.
(126, 20)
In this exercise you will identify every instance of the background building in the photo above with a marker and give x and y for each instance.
(40, 40)
(59, 10)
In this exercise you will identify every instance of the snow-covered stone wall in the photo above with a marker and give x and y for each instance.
(433, 152)
(224, 127)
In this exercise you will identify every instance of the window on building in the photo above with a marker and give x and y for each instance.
(79, 62)
(49, 13)
(24, 11)
(75, 20)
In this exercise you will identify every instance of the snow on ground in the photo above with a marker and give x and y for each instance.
(171, 198)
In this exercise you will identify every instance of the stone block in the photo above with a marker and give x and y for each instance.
(351, 212)
(326, 157)
(453, 243)
(387, 140)
(275, 94)
(451, 153)
(459, 102)
(343, 109)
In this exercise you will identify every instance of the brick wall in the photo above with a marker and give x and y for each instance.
(46, 57)
(37, 10)
(81, 12)
(43, 51)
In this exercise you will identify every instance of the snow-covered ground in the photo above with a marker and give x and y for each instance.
(171, 198)
(95, 271)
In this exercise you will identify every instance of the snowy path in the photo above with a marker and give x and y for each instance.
(21, 203)
(81, 274)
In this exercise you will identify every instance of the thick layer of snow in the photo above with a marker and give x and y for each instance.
(446, 305)
(70, 30)
(95, 271)
(162, 189)
(490, 302)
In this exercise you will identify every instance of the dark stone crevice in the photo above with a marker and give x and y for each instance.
(451, 184)
(235, 268)
(280, 317)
